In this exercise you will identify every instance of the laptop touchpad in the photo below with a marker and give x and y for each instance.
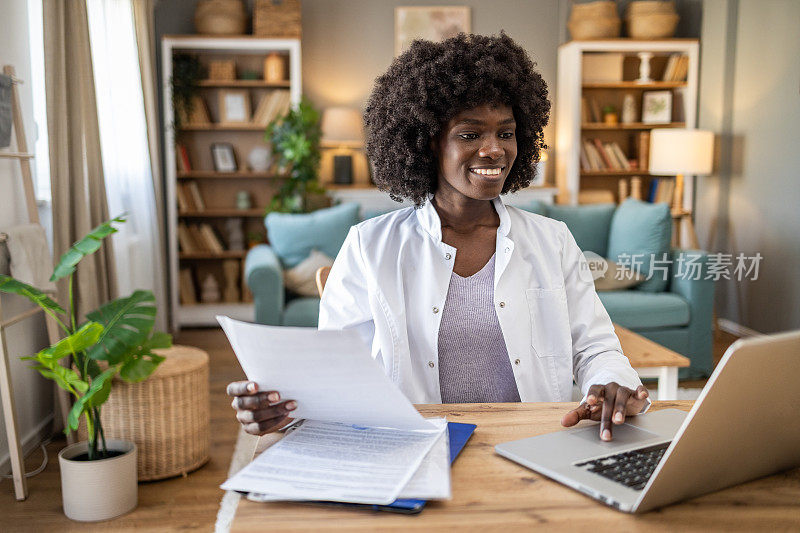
(621, 435)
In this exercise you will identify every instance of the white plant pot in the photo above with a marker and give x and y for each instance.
(98, 490)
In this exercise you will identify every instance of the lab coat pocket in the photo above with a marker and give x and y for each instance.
(550, 330)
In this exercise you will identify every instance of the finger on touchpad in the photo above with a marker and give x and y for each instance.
(622, 435)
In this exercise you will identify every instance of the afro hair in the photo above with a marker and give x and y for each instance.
(428, 85)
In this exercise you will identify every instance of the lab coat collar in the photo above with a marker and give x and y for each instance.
(431, 223)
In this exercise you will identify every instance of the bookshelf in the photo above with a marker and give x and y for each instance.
(579, 101)
(202, 201)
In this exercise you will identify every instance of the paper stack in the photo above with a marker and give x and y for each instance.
(361, 440)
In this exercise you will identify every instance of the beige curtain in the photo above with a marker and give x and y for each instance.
(76, 168)
(144, 22)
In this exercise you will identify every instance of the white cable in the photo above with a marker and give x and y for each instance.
(41, 466)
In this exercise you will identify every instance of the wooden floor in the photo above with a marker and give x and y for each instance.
(176, 504)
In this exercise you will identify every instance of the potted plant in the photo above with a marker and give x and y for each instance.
(295, 141)
(98, 476)
(186, 75)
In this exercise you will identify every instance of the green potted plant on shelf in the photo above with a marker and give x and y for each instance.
(98, 476)
(295, 139)
(186, 75)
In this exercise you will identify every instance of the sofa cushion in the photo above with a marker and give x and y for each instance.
(589, 224)
(639, 309)
(639, 232)
(293, 236)
(301, 312)
(302, 279)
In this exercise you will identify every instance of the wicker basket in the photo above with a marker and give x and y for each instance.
(166, 415)
(222, 69)
(220, 17)
(594, 20)
(651, 19)
(277, 18)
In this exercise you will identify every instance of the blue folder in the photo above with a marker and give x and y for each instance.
(459, 435)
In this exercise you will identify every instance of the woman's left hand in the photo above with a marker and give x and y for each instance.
(608, 403)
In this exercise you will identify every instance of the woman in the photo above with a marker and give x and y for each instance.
(462, 298)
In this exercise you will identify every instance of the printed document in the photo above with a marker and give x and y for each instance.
(362, 441)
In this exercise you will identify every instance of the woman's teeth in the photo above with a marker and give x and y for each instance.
(487, 171)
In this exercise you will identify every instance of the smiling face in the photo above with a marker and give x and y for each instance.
(476, 150)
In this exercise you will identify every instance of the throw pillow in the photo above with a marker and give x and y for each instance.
(640, 232)
(589, 224)
(616, 277)
(302, 279)
(293, 236)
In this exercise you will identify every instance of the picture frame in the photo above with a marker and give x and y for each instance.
(234, 106)
(434, 23)
(224, 157)
(657, 107)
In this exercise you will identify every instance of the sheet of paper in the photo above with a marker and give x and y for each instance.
(338, 462)
(431, 481)
(330, 374)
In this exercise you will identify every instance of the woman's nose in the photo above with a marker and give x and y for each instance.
(491, 149)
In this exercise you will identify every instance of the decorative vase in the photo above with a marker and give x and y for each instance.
(259, 159)
(628, 109)
(101, 489)
(243, 200)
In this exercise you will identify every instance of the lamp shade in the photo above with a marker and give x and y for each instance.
(681, 151)
(342, 127)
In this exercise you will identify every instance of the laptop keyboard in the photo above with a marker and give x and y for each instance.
(632, 468)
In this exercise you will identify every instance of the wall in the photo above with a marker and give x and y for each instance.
(750, 83)
(33, 394)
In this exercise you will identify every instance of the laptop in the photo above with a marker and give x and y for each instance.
(743, 426)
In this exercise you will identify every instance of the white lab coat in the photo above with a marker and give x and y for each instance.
(390, 282)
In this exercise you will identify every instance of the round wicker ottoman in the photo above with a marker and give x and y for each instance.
(166, 415)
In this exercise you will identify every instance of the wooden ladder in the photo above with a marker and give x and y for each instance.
(6, 389)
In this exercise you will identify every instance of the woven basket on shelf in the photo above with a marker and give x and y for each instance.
(277, 18)
(594, 20)
(166, 415)
(651, 19)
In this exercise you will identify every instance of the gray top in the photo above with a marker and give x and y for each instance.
(473, 360)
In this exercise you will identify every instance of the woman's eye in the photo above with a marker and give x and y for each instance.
(506, 135)
(469, 136)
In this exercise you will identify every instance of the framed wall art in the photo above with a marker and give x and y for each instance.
(434, 23)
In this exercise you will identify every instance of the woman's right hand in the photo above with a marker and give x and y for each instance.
(259, 412)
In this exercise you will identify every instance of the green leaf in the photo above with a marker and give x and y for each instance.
(92, 397)
(66, 378)
(13, 286)
(86, 336)
(142, 363)
(128, 322)
(86, 246)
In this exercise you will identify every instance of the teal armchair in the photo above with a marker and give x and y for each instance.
(292, 237)
(673, 310)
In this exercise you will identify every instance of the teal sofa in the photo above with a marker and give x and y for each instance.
(672, 308)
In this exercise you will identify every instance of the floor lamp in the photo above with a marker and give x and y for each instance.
(677, 152)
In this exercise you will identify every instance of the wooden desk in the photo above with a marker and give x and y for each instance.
(651, 360)
(492, 493)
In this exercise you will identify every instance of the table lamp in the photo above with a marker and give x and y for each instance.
(342, 128)
(675, 152)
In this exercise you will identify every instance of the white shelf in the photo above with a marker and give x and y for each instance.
(568, 103)
(203, 314)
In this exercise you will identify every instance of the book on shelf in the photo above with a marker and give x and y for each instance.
(271, 106)
(644, 150)
(607, 163)
(187, 291)
(210, 239)
(186, 240)
(585, 114)
(594, 107)
(585, 158)
(182, 158)
(613, 156)
(595, 163)
(651, 192)
(621, 157)
(182, 198)
(676, 69)
(194, 194)
(197, 237)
